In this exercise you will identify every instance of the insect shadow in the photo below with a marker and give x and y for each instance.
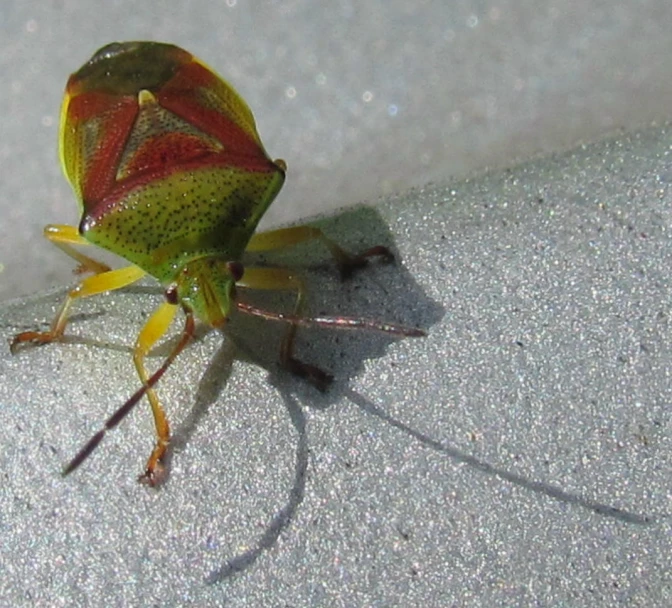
(345, 361)
(284, 515)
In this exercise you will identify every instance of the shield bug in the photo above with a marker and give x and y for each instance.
(170, 174)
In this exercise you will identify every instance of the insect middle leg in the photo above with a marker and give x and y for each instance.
(286, 237)
(64, 237)
(98, 283)
(283, 279)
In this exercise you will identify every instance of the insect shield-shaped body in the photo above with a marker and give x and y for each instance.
(170, 174)
(168, 168)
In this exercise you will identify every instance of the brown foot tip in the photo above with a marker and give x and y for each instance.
(318, 378)
(154, 475)
(29, 338)
(97, 269)
(348, 267)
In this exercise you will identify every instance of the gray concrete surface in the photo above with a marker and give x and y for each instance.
(362, 99)
(519, 455)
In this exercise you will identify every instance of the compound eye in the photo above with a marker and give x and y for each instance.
(171, 294)
(236, 269)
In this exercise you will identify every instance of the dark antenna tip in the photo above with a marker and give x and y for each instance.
(82, 455)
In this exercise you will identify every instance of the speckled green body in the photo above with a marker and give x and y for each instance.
(167, 166)
(167, 223)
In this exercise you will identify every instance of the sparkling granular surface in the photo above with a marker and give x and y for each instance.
(518, 455)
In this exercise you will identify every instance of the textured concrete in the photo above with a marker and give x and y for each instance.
(520, 454)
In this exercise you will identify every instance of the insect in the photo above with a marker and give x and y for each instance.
(170, 174)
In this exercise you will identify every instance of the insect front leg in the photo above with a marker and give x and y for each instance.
(99, 283)
(151, 333)
(286, 237)
(285, 280)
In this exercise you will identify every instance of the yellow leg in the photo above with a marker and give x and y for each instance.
(64, 237)
(99, 283)
(151, 333)
(287, 237)
(283, 279)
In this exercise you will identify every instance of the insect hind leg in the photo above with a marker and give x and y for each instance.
(346, 262)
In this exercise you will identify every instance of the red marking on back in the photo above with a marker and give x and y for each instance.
(166, 150)
(115, 117)
(160, 155)
(93, 104)
(178, 97)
